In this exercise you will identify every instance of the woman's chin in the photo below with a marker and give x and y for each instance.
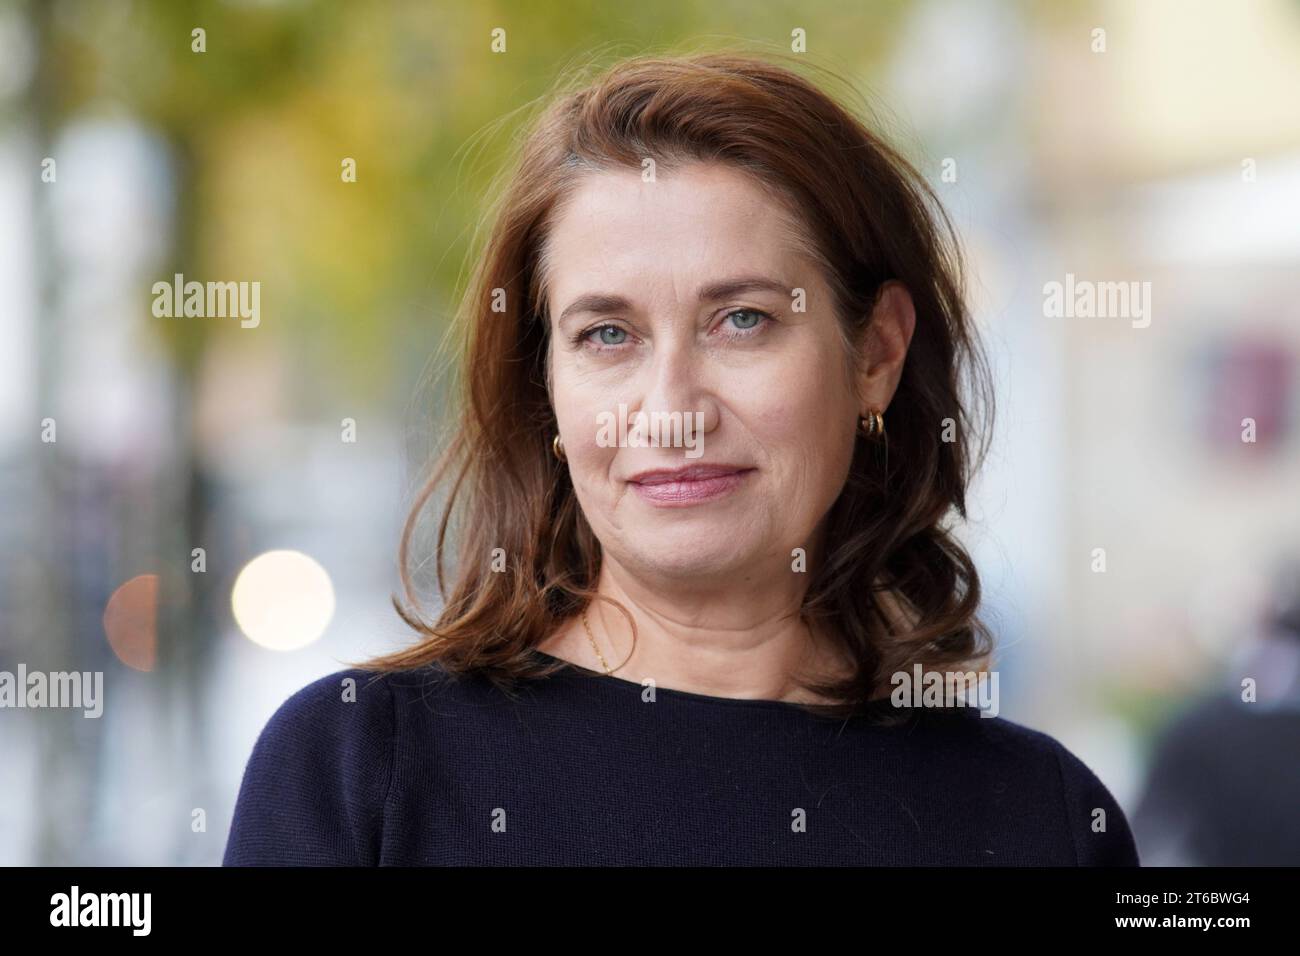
(693, 557)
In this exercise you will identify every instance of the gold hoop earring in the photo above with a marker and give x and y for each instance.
(557, 447)
(872, 425)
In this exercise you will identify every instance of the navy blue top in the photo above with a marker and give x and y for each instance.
(420, 768)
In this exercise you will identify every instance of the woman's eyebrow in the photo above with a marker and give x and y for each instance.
(595, 302)
(726, 288)
(603, 304)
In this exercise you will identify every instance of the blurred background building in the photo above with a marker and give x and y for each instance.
(1128, 537)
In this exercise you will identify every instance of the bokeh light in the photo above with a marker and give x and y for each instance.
(282, 600)
(131, 622)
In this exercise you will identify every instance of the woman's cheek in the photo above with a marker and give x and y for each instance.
(781, 425)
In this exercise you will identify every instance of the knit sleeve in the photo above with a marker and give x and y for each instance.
(314, 788)
(1100, 830)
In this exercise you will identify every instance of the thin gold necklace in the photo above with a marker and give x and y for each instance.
(591, 637)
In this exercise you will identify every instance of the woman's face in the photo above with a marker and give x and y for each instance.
(681, 296)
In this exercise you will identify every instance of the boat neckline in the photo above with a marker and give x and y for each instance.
(687, 696)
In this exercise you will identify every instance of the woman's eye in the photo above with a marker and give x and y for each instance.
(607, 335)
(746, 319)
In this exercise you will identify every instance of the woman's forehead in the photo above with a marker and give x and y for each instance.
(689, 226)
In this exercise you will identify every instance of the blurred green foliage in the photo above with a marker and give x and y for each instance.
(359, 279)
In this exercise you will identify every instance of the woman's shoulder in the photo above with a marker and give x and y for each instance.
(332, 715)
(1035, 762)
(315, 784)
(339, 696)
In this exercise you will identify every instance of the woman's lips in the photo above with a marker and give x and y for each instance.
(688, 486)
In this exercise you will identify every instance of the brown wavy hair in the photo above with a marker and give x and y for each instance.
(893, 585)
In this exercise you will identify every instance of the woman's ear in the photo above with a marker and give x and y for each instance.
(884, 347)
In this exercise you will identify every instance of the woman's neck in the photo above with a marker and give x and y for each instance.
(741, 642)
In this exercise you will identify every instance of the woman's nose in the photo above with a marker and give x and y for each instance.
(680, 381)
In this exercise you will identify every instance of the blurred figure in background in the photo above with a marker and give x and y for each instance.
(1224, 780)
